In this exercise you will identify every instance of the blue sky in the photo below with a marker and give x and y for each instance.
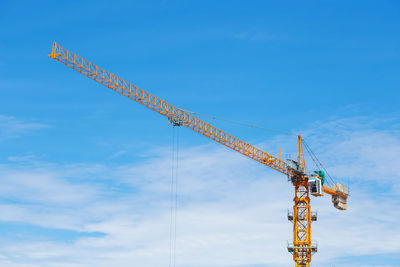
(86, 172)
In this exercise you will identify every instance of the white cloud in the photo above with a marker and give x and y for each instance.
(355, 149)
(11, 127)
(231, 210)
(117, 154)
(26, 157)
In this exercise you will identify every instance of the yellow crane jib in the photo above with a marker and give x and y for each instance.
(301, 248)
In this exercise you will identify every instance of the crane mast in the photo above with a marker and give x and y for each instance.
(302, 247)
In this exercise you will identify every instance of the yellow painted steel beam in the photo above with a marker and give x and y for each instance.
(332, 192)
(302, 225)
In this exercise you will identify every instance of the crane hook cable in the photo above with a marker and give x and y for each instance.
(174, 197)
(176, 193)
(171, 196)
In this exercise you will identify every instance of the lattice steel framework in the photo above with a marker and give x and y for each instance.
(302, 248)
(302, 225)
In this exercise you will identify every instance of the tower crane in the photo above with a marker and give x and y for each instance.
(305, 184)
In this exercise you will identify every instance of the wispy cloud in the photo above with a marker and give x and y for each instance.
(230, 209)
(26, 157)
(11, 127)
(117, 154)
(259, 36)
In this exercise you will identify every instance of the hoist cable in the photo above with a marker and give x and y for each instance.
(241, 123)
(176, 193)
(171, 196)
(316, 160)
(174, 196)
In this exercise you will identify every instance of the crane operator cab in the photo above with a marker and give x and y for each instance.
(316, 181)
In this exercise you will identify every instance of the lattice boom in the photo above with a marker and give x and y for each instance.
(133, 92)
